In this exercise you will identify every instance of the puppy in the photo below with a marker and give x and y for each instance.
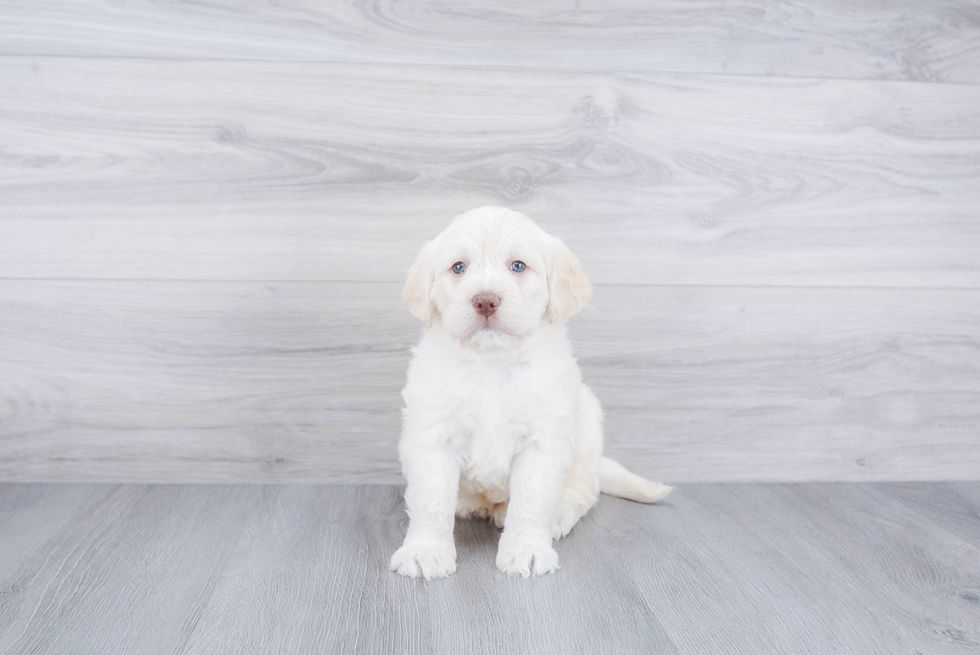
(497, 423)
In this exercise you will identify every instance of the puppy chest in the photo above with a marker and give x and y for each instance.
(492, 427)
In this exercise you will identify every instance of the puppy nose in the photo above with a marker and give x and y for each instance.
(486, 303)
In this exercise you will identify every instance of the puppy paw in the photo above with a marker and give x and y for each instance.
(565, 519)
(424, 559)
(525, 557)
(499, 514)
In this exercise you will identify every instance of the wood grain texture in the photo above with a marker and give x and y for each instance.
(147, 557)
(858, 384)
(903, 40)
(137, 169)
(789, 551)
(956, 506)
(299, 381)
(207, 382)
(207, 209)
(302, 569)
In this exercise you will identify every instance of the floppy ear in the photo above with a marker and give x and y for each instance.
(418, 286)
(568, 288)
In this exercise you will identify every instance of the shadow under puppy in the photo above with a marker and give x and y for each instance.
(497, 423)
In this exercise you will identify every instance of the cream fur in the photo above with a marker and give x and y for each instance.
(497, 422)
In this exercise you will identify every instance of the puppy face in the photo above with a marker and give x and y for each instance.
(494, 275)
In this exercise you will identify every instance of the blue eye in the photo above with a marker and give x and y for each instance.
(517, 266)
(459, 268)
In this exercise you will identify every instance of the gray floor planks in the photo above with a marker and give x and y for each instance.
(955, 506)
(300, 381)
(903, 40)
(899, 573)
(146, 169)
(173, 539)
(782, 607)
(811, 568)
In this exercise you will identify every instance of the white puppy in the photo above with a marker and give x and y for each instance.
(497, 422)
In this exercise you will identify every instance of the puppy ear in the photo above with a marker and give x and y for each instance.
(568, 288)
(418, 286)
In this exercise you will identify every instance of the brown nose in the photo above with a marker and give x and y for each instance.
(486, 303)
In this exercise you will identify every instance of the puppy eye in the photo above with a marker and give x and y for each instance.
(459, 268)
(517, 266)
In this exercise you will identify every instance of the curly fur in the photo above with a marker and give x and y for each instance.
(497, 422)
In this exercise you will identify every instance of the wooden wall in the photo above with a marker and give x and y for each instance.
(207, 209)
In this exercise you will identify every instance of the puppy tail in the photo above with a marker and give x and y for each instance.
(615, 480)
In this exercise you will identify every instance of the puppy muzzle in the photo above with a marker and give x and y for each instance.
(486, 304)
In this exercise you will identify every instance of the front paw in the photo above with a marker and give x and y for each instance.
(425, 559)
(526, 556)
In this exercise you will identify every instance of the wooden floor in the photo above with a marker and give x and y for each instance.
(808, 568)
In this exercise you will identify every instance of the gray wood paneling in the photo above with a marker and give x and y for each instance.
(136, 169)
(778, 201)
(787, 384)
(907, 40)
(303, 569)
(195, 381)
(299, 381)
